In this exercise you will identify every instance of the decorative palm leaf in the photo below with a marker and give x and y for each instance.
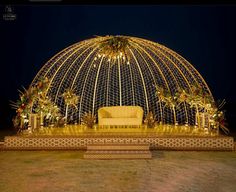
(70, 98)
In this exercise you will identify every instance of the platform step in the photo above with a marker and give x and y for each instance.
(117, 151)
(118, 146)
(117, 154)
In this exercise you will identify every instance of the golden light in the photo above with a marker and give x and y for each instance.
(124, 70)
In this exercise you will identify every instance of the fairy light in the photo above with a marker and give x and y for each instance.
(100, 59)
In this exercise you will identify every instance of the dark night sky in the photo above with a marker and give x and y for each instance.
(204, 35)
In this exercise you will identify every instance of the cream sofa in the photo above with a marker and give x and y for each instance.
(120, 116)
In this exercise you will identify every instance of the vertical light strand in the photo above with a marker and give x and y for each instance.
(60, 55)
(179, 57)
(82, 93)
(77, 71)
(95, 86)
(108, 82)
(141, 74)
(162, 75)
(169, 59)
(120, 90)
(157, 66)
(153, 78)
(58, 69)
(132, 84)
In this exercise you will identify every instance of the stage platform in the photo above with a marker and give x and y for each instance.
(77, 138)
(156, 142)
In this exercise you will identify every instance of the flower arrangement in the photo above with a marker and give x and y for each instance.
(33, 99)
(23, 107)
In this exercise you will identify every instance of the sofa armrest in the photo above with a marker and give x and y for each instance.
(103, 114)
(140, 114)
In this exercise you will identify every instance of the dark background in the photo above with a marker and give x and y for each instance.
(203, 34)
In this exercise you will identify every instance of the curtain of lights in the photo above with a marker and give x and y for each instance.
(121, 70)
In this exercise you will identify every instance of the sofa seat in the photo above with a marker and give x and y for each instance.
(120, 116)
(119, 121)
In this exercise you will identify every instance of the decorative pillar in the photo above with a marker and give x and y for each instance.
(41, 119)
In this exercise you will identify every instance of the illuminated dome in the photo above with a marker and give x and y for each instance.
(122, 70)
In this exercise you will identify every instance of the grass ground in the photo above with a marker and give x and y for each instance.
(171, 171)
(167, 171)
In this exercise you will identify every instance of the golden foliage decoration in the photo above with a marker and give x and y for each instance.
(150, 120)
(115, 47)
(88, 119)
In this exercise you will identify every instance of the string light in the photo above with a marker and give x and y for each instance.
(149, 64)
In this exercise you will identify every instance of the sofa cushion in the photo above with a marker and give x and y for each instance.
(120, 121)
(105, 114)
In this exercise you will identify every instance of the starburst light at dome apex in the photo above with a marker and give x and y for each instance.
(114, 48)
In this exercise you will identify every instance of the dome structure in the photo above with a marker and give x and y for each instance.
(121, 71)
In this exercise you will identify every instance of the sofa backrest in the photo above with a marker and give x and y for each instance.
(121, 112)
